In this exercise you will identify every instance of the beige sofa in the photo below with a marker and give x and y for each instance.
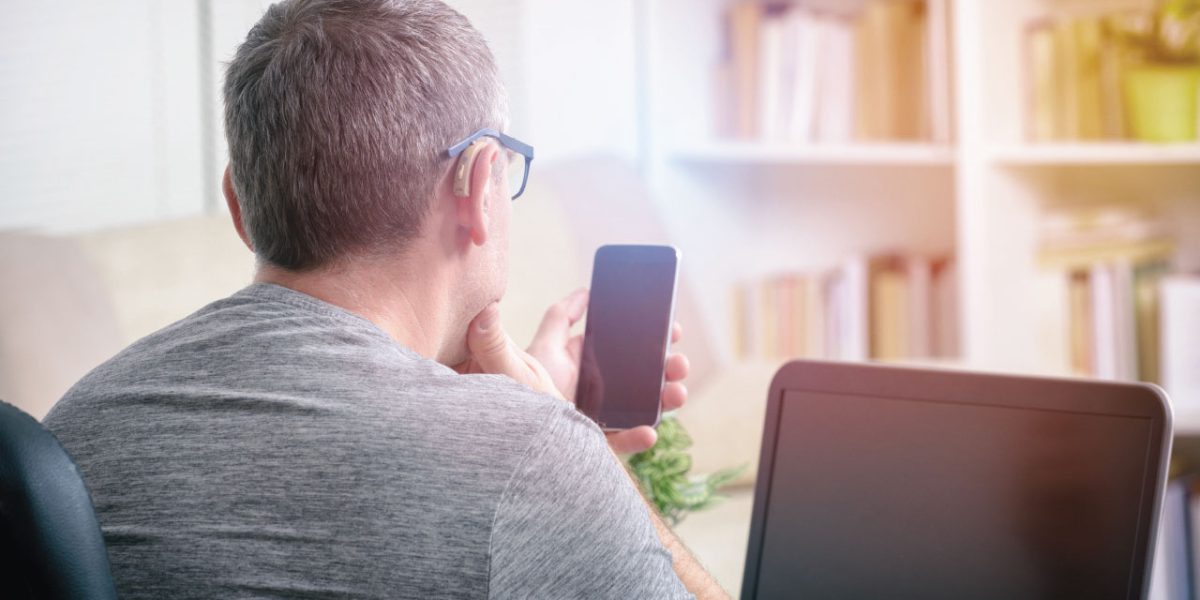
(70, 302)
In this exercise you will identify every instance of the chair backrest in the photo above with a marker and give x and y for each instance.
(51, 546)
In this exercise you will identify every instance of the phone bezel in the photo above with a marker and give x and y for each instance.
(669, 255)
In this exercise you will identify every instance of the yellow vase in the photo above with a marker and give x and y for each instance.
(1161, 102)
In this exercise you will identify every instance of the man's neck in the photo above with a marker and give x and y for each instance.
(402, 302)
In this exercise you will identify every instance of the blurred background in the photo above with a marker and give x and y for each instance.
(1009, 186)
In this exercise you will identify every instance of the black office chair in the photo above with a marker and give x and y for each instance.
(51, 547)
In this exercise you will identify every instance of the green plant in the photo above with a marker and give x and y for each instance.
(1168, 35)
(662, 471)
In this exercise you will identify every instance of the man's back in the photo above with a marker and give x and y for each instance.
(273, 445)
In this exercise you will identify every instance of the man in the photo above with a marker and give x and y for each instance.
(306, 437)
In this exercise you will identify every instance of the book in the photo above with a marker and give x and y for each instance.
(1079, 317)
(889, 58)
(744, 46)
(1088, 52)
(836, 100)
(937, 70)
(889, 310)
(801, 322)
(1174, 548)
(1116, 59)
(1124, 320)
(1147, 279)
(770, 78)
(854, 337)
(1066, 72)
(1041, 82)
(920, 305)
(1179, 304)
(1134, 252)
(1103, 322)
(1113, 335)
(1113, 260)
(887, 306)
(806, 33)
(1074, 66)
(833, 296)
(785, 317)
(769, 339)
(742, 324)
(794, 73)
(816, 312)
(944, 312)
(1098, 227)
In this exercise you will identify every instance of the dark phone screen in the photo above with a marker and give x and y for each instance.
(893, 498)
(625, 343)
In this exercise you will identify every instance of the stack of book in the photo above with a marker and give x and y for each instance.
(794, 74)
(1176, 568)
(885, 307)
(1073, 78)
(1176, 574)
(1114, 262)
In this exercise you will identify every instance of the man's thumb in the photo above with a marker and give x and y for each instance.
(492, 352)
(489, 344)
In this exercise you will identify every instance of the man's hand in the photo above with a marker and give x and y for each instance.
(493, 352)
(560, 352)
(554, 345)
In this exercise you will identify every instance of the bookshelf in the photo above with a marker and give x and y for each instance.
(1187, 424)
(865, 154)
(1012, 315)
(747, 208)
(1096, 154)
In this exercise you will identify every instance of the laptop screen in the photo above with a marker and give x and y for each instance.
(895, 498)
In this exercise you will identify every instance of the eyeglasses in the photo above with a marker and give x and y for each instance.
(516, 178)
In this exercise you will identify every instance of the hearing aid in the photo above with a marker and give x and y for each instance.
(462, 172)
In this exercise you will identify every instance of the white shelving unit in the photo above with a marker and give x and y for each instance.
(1097, 154)
(751, 153)
(746, 209)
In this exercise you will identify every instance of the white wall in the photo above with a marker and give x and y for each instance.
(99, 112)
(110, 112)
(570, 68)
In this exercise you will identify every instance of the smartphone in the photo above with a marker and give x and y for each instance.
(625, 342)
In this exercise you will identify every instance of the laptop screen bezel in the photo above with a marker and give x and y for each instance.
(955, 387)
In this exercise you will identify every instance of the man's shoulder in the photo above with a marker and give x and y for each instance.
(495, 401)
(267, 359)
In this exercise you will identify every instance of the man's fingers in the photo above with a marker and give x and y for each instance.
(674, 396)
(576, 304)
(631, 441)
(677, 367)
(493, 352)
(560, 317)
(676, 332)
(575, 348)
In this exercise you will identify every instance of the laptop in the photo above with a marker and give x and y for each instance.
(890, 482)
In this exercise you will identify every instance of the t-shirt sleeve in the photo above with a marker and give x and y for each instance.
(571, 524)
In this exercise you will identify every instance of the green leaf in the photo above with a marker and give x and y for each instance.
(1181, 9)
(663, 474)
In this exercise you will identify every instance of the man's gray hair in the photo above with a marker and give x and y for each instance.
(338, 114)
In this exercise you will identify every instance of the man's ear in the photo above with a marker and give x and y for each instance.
(473, 208)
(235, 209)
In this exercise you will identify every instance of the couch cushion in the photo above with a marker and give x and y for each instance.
(161, 272)
(725, 418)
(56, 319)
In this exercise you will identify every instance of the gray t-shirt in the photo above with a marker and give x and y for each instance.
(275, 446)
